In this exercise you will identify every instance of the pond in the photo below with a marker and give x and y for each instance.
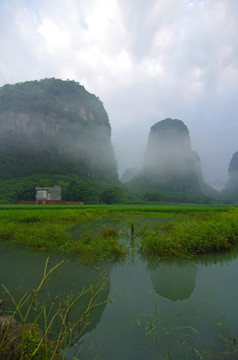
(170, 309)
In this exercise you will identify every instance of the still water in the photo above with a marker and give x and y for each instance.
(171, 309)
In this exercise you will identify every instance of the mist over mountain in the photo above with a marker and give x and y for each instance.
(169, 158)
(231, 189)
(54, 132)
(129, 174)
(53, 128)
(57, 126)
(171, 168)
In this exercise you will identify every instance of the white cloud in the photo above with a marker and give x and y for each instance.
(146, 60)
(54, 37)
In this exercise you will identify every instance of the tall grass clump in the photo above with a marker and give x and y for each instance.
(47, 332)
(102, 245)
(194, 235)
(54, 233)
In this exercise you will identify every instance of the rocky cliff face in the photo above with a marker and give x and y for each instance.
(169, 159)
(171, 168)
(55, 127)
(233, 172)
(231, 188)
(129, 174)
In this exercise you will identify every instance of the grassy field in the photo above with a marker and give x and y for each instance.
(110, 232)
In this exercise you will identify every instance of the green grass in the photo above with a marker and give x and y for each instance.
(103, 233)
(50, 230)
(122, 207)
(189, 235)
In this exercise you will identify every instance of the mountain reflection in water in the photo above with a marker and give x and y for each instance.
(177, 308)
(21, 271)
(174, 280)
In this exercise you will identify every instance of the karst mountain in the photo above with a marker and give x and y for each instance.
(53, 130)
(171, 169)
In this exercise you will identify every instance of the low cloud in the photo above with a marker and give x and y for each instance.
(146, 61)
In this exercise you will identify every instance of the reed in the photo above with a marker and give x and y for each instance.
(50, 331)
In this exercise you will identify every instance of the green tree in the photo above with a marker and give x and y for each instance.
(113, 195)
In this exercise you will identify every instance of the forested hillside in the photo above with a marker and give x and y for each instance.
(53, 131)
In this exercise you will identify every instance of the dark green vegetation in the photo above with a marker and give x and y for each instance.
(53, 132)
(74, 188)
(105, 233)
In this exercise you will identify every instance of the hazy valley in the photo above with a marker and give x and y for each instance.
(54, 132)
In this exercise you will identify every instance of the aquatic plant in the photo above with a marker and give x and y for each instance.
(51, 229)
(106, 233)
(171, 337)
(51, 330)
(191, 235)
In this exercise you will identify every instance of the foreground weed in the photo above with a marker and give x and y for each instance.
(58, 332)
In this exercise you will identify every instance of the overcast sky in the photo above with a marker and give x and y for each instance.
(146, 60)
